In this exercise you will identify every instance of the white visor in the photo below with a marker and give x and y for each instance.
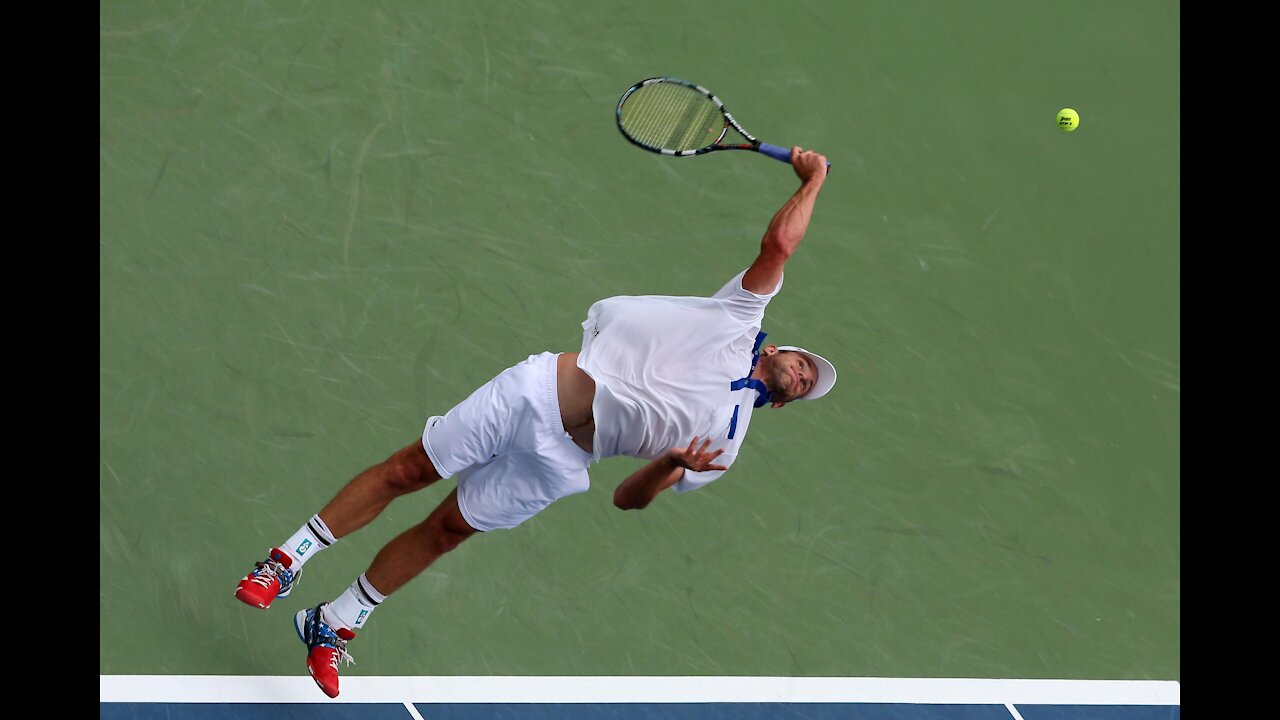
(826, 373)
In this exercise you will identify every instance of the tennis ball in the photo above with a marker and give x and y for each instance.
(1068, 120)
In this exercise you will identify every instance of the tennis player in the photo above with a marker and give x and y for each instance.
(671, 380)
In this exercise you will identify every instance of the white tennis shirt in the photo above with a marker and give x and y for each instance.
(663, 367)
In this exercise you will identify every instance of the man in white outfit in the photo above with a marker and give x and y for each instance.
(672, 380)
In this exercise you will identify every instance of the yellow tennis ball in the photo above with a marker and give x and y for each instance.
(1068, 120)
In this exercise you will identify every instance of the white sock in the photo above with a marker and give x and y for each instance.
(352, 608)
(310, 539)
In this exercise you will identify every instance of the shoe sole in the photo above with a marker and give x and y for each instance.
(299, 621)
(252, 603)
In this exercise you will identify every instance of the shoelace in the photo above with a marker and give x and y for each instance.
(328, 638)
(340, 651)
(268, 571)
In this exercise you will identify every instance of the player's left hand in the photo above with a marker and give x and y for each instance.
(696, 458)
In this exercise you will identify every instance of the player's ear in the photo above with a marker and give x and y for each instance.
(777, 404)
(769, 349)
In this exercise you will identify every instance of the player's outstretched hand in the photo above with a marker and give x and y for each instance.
(696, 458)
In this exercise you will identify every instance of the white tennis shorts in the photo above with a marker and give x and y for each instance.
(508, 447)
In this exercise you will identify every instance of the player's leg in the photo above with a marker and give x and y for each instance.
(512, 457)
(360, 501)
(327, 628)
(369, 493)
(413, 550)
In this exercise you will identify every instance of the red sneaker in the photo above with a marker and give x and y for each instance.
(268, 580)
(325, 646)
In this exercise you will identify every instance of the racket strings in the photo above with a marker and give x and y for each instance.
(653, 115)
(672, 117)
(670, 110)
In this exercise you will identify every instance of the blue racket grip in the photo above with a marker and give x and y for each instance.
(776, 152)
(780, 153)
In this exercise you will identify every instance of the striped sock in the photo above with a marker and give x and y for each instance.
(352, 608)
(310, 539)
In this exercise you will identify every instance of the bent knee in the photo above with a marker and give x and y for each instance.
(444, 537)
(411, 471)
(446, 527)
(449, 540)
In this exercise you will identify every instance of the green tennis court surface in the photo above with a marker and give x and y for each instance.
(323, 222)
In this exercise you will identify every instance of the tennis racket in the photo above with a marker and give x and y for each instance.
(676, 117)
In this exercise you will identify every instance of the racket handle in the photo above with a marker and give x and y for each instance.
(778, 152)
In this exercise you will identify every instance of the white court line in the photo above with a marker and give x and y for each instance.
(635, 689)
(413, 711)
(1013, 710)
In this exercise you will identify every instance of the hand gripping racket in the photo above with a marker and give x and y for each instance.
(676, 117)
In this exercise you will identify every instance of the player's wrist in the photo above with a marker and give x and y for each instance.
(815, 180)
(674, 459)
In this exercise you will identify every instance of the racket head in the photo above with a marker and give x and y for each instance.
(672, 116)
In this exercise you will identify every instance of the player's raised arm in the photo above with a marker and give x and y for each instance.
(789, 224)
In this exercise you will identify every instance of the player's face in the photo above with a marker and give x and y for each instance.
(791, 375)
